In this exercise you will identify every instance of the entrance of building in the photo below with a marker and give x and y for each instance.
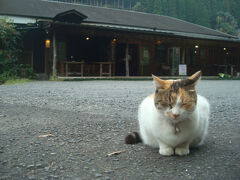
(133, 56)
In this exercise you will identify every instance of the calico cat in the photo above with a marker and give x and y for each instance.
(174, 118)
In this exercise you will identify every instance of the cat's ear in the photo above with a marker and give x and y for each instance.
(159, 83)
(192, 80)
(195, 77)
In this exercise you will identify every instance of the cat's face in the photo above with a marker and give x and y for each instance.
(176, 99)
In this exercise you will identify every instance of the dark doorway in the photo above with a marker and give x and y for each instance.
(134, 59)
(120, 56)
(133, 52)
(88, 49)
(38, 55)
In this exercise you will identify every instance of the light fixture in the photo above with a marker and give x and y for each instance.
(196, 46)
(224, 49)
(158, 42)
(114, 40)
(87, 38)
(195, 52)
(47, 43)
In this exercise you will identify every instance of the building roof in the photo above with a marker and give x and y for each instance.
(111, 18)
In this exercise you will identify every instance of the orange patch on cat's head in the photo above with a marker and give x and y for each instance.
(162, 84)
(188, 98)
(152, 96)
(166, 84)
(168, 91)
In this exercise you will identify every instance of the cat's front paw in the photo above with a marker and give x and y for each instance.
(182, 151)
(166, 151)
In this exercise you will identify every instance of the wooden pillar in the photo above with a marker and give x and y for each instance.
(54, 55)
(225, 62)
(127, 61)
(231, 70)
(183, 56)
(47, 58)
(113, 54)
(101, 69)
(66, 69)
(113, 50)
(110, 69)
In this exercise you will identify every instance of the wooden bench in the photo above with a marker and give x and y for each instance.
(109, 64)
(89, 67)
(67, 63)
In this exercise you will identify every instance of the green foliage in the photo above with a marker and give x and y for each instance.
(17, 81)
(139, 7)
(225, 22)
(202, 12)
(10, 49)
(224, 76)
(54, 78)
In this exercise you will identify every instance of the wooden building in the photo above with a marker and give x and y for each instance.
(66, 39)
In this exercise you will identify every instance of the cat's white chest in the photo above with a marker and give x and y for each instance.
(172, 134)
(155, 127)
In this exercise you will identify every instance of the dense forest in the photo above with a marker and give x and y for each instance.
(223, 15)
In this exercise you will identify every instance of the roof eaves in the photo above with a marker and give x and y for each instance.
(122, 27)
(26, 16)
(206, 36)
(165, 32)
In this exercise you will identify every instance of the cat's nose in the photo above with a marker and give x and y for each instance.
(175, 115)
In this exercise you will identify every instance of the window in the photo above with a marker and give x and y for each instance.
(160, 50)
(145, 60)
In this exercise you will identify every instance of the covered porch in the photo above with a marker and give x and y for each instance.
(83, 51)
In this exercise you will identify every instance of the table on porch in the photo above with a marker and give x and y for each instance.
(89, 66)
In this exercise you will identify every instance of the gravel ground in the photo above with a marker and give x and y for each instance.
(90, 119)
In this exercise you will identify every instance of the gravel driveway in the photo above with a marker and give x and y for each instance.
(65, 130)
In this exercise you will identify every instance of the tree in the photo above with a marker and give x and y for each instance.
(172, 8)
(181, 9)
(158, 8)
(202, 15)
(10, 49)
(225, 22)
(139, 7)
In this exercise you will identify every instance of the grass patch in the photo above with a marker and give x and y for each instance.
(17, 81)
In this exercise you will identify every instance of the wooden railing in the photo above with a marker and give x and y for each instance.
(85, 68)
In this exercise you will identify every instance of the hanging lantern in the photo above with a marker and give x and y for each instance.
(47, 43)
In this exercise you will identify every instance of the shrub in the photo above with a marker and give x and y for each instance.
(10, 49)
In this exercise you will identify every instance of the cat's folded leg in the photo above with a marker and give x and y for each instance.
(165, 150)
(182, 149)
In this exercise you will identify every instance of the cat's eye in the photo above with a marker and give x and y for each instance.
(184, 103)
(162, 104)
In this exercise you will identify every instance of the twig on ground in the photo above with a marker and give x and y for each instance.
(115, 153)
(46, 135)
